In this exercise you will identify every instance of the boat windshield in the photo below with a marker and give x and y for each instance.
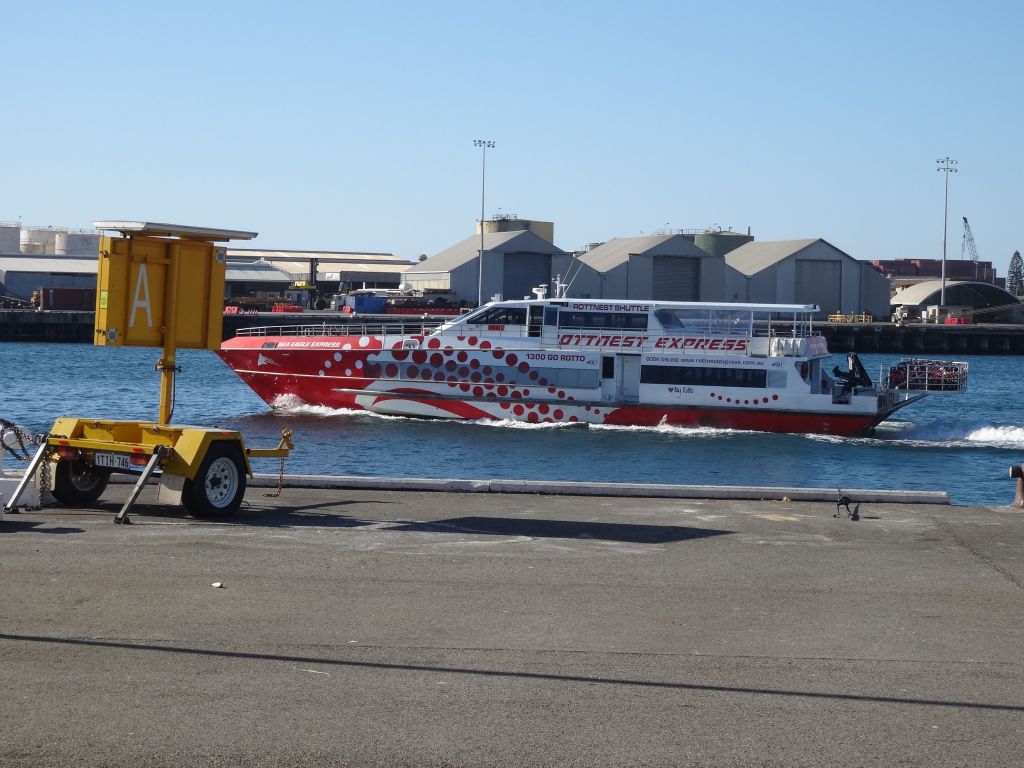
(710, 322)
(499, 315)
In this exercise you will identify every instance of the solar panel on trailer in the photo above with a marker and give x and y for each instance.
(175, 230)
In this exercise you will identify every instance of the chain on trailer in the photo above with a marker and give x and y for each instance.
(286, 438)
(15, 440)
(20, 444)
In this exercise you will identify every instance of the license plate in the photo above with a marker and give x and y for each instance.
(113, 460)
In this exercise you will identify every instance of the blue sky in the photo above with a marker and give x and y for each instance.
(350, 125)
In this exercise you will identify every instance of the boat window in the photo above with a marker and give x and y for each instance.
(500, 316)
(564, 378)
(607, 367)
(603, 320)
(703, 377)
(730, 322)
(551, 316)
(576, 378)
(697, 321)
(535, 316)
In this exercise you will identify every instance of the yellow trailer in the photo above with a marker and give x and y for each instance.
(158, 285)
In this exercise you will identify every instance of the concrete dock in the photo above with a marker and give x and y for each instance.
(370, 627)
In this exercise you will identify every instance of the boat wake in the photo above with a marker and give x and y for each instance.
(964, 433)
(677, 431)
(957, 433)
(513, 424)
(293, 405)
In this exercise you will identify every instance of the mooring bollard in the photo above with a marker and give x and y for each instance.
(1018, 499)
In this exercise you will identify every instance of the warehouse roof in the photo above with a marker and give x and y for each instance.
(465, 251)
(929, 291)
(753, 257)
(300, 270)
(50, 264)
(299, 257)
(257, 273)
(237, 271)
(617, 250)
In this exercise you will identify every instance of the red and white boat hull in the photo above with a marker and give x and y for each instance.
(477, 380)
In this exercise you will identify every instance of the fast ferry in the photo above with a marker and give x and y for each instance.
(737, 366)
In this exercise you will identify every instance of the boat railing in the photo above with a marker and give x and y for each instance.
(774, 341)
(918, 375)
(401, 329)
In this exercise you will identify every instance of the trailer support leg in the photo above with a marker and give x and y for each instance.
(121, 518)
(27, 477)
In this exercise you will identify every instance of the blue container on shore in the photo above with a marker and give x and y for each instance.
(372, 305)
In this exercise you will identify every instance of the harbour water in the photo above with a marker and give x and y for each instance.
(962, 444)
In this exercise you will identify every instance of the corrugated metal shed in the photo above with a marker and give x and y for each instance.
(756, 256)
(466, 250)
(617, 250)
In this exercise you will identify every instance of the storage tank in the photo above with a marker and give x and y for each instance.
(38, 239)
(510, 222)
(77, 243)
(10, 238)
(720, 242)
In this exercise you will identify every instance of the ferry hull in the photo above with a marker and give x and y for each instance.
(490, 401)
(564, 361)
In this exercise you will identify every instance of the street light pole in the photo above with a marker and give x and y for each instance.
(484, 145)
(947, 166)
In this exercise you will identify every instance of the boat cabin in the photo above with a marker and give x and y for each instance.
(767, 329)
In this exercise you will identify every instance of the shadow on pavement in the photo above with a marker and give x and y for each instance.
(563, 529)
(32, 526)
(327, 514)
(511, 674)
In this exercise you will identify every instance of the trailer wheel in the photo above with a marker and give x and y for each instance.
(219, 485)
(76, 482)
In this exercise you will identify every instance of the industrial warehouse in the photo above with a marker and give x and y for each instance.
(509, 257)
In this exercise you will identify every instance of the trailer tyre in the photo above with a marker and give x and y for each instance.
(219, 485)
(76, 482)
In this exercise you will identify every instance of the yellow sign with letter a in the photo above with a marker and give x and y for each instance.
(154, 289)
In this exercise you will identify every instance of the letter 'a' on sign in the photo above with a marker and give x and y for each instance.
(141, 300)
(158, 279)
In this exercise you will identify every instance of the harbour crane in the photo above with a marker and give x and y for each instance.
(968, 246)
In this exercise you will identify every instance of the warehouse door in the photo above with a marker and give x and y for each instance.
(524, 272)
(820, 282)
(676, 279)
